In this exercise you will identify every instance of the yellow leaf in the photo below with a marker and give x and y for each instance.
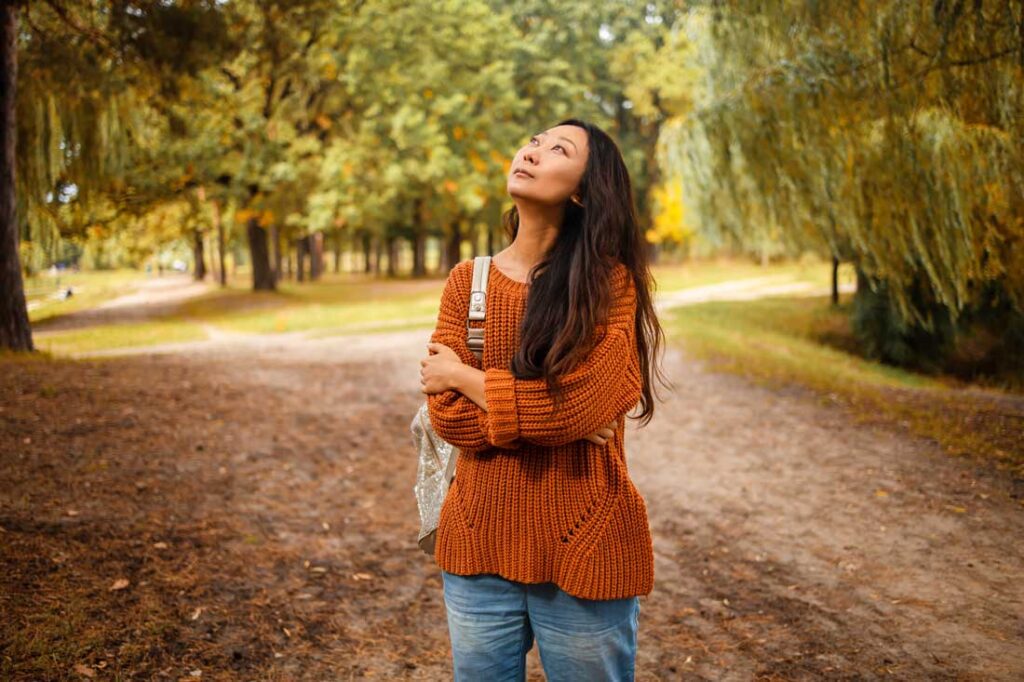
(478, 163)
(82, 669)
(498, 158)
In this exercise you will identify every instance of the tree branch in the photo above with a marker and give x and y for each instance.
(966, 62)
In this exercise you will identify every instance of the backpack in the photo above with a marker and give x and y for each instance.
(436, 468)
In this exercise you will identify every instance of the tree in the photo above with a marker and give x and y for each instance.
(15, 333)
(81, 158)
(888, 137)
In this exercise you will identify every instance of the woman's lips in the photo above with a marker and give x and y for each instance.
(522, 174)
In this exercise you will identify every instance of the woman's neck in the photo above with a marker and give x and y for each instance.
(538, 228)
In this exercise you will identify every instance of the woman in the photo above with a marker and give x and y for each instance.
(542, 533)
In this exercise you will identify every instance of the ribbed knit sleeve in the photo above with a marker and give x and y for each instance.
(453, 416)
(600, 389)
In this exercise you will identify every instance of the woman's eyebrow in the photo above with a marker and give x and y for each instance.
(560, 137)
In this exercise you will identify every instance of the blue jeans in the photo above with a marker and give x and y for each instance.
(492, 622)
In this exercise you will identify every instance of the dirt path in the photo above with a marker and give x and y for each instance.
(258, 502)
(151, 297)
(164, 296)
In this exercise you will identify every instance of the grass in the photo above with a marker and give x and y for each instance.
(335, 305)
(89, 289)
(775, 341)
(806, 342)
(121, 335)
(671, 277)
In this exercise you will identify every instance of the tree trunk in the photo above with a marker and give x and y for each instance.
(453, 247)
(301, 246)
(199, 271)
(337, 251)
(378, 251)
(218, 223)
(835, 281)
(15, 331)
(419, 255)
(392, 256)
(208, 248)
(275, 242)
(316, 256)
(262, 274)
(419, 239)
(367, 247)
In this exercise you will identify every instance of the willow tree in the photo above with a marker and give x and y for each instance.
(85, 144)
(890, 135)
(15, 332)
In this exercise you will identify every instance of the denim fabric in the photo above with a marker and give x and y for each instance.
(492, 623)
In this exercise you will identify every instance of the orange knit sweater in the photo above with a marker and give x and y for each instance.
(531, 500)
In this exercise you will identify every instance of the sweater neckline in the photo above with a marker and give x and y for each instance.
(507, 283)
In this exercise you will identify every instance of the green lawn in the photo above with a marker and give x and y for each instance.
(807, 342)
(102, 337)
(335, 305)
(89, 290)
(670, 277)
(779, 340)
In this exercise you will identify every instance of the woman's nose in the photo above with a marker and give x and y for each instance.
(530, 156)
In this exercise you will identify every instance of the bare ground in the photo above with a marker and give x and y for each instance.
(243, 510)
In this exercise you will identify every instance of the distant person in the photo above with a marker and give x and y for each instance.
(542, 533)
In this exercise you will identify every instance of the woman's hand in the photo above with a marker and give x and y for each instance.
(440, 369)
(602, 435)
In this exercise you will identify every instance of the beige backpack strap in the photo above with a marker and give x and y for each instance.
(478, 305)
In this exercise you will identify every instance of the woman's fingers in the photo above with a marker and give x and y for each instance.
(602, 435)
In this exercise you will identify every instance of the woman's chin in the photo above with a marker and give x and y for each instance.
(520, 193)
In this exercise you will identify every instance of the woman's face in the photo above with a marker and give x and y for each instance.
(548, 168)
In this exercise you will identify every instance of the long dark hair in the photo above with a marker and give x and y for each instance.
(557, 329)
